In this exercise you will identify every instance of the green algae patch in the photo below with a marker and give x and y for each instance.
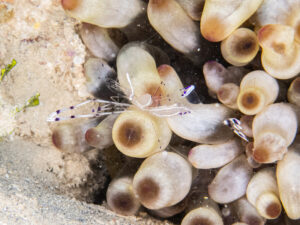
(33, 101)
(7, 69)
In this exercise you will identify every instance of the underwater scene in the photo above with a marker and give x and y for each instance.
(150, 112)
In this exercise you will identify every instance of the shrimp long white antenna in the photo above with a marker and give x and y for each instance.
(111, 107)
(108, 107)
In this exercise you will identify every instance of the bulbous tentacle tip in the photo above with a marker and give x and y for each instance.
(69, 4)
(120, 197)
(261, 155)
(148, 191)
(240, 47)
(164, 70)
(212, 29)
(273, 210)
(124, 202)
(223, 93)
(130, 134)
(92, 137)
(250, 100)
(246, 46)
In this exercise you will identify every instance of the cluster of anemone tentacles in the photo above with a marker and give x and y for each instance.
(250, 179)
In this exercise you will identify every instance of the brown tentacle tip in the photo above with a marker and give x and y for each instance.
(212, 30)
(245, 46)
(130, 134)
(148, 191)
(92, 137)
(261, 155)
(123, 202)
(201, 221)
(273, 210)
(250, 100)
